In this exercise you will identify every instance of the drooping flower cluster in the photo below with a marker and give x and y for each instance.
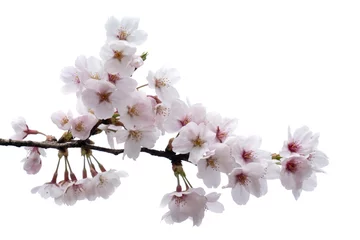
(111, 101)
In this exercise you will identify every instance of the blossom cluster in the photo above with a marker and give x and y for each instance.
(111, 101)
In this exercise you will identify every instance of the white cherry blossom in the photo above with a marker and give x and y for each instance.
(73, 77)
(101, 97)
(33, 162)
(136, 110)
(295, 170)
(137, 137)
(105, 183)
(117, 54)
(62, 120)
(210, 167)
(194, 139)
(162, 81)
(246, 180)
(246, 150)
(302, 142)
(48, 190)
(181, 114)
(82, 125)
(222, 127)
(21, 129)
(126, 29)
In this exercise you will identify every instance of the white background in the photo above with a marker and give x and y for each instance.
(268, 63)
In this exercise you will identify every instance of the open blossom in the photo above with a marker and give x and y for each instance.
(105, 183)
(295, 170)
(162, 81)
(62, 120)
(126, 29)
(162, 111)
(318, 160)
(73, 77)
(194, 139)
(246, 180)
(123, 81)
(47, 190)
(181, 114)
(246, 150)
(73, 192)
(137, 137)
(210, 167)
(116, 55)
(136, 110)
(101, 97)
(222, 127)
(82, 125)
(302, 142)
(190, 204)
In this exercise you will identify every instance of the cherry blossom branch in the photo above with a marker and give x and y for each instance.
(81, 143)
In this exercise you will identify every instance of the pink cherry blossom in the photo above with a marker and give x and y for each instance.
(21, 129)
(302, 142)
(162, 81)
(116, 55)
(222, 127)
(48, 190)
(162, 111)
(246, 180)
(82, 125)
(246, 150)
(295, 170)
(136, 110)
(318, 160)
(220, 161)
(62, 120)
(126, 29)
(73, 77)
(33, 162)
(190, 204)
(194, 139)
(181, 114)
(137, 137)
(101, 97)
(105, 183)
(73, 193)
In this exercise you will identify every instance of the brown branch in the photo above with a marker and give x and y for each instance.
(175, 158)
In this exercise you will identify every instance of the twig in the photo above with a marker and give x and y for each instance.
(80, 143)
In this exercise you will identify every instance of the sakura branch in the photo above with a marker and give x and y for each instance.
(83, 144)
(111, 102)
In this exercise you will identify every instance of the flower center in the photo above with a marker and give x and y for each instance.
(185, 121)
(113, 78)
(220, 135)
(64, 121)
(79, 126)
(122, 35)
(291, 166)
(95, 76)
(198, 142)
(104, 97)
(247, 156)
(118, 55)
(162, 82)
(242, 179)
(211, 162)
(293, 147)
(132, 111)
(135, 135)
